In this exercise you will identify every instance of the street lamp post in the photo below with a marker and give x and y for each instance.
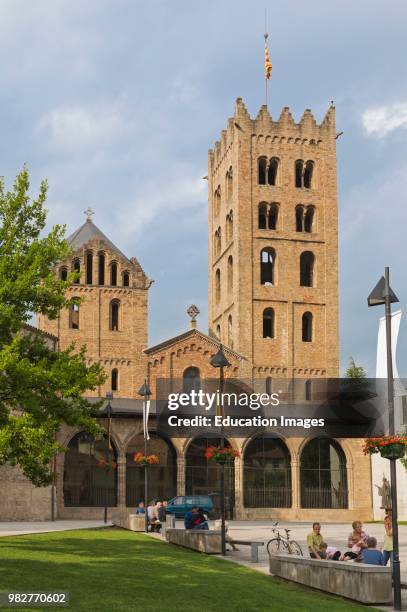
(220, 361)
(382, 294)
(145, 393)
(109, 396)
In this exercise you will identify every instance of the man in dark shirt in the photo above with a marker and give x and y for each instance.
(371, 555)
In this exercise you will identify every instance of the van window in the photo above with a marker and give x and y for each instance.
(178, 501)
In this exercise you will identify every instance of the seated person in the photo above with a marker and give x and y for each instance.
(155, 524)
(195, 519)
(140, 508)
(314, 541)
(356, 542)
(330, 552)
(371, 555)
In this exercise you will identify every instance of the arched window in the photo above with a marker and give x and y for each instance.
(229, 226)
(218, 331)
(272, 171)
(307, 327)
(269, 385)
(229, 184)
(113, 273)
(63, 273)
(114, 315)
(262, 170)
(218, 242)
(267, 263)
(230, 274)
(267, 474)
(323, 475)
(308, 172)
(299, 218)
(74, 314)
(89, 268)
(126, 279)
(262, 215)
(309, 219)
(217, 285)
(216, 201)
(307, 260)
(202, 476)
(299, 165)
(273, 216)
(162, 477)
(191, 379)
(268, 323)
(86, 474)
(115, 380)
(308, 390)
(77, 270)
(230, 331)
(101, 269)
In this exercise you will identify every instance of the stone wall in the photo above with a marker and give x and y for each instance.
(20, 500)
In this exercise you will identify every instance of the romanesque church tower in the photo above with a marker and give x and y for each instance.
(273, 242)
(111, 319)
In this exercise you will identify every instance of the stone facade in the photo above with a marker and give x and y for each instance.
(118, 338)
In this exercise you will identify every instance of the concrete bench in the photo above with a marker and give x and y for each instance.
(369, 584)
(133, 522)
(254, 548)
(202, 540)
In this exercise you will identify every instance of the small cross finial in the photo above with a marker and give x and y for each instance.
(89, 213)
(193, 312)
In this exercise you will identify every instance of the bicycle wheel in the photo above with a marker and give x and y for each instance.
(276, 546)
(295, 549)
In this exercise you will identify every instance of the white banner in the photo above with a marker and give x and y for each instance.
(381, 363)
(146, 411)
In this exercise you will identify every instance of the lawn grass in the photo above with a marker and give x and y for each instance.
(113, 569)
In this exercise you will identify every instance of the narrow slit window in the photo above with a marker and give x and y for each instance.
(268, 323)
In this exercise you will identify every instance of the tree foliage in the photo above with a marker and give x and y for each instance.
(40, 389)
(355, 371)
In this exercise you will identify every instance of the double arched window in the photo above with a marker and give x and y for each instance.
(304, 172)
(307, 262)
(268, 215)
(114, 315)
(304, 218)
(267, 266)
(267, 170)
(268, 323)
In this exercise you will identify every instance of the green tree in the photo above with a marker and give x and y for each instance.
(40, 389)
(355, 371)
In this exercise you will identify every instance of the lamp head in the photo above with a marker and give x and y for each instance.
(377, 296)
(144, 390)
(219, 360)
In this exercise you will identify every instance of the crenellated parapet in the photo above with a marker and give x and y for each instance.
(282, 131)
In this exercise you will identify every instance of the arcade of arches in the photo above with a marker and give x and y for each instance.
(272, 477)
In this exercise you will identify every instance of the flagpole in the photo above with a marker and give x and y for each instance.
(265, 74)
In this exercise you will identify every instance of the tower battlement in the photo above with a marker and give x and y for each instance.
(282, 131)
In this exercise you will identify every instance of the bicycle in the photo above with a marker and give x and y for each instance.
(279, 544)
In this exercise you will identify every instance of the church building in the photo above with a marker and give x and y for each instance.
(273, 304)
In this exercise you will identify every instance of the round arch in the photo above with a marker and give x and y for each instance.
(202, 475)
(162, 478)
(85, 469)
(323, 474)
(267, 473)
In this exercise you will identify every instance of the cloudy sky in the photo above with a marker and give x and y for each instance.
(117, 102)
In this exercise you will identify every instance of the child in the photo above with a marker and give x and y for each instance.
(329, 552)
(371, 555)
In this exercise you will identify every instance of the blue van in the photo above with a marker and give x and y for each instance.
(180, 505)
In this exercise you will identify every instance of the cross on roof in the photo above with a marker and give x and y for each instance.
(89, 213)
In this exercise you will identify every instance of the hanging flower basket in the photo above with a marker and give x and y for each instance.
(102, 463)
(389, 447)
(221, 455)
(143, 460)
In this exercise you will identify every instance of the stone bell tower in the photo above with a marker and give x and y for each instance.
(273, 242)
(111, 315)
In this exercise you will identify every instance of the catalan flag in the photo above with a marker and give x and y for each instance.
(267, 62)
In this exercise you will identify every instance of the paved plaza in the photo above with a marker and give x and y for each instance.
(14, 528)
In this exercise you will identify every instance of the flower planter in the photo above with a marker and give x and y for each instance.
(393, 451)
